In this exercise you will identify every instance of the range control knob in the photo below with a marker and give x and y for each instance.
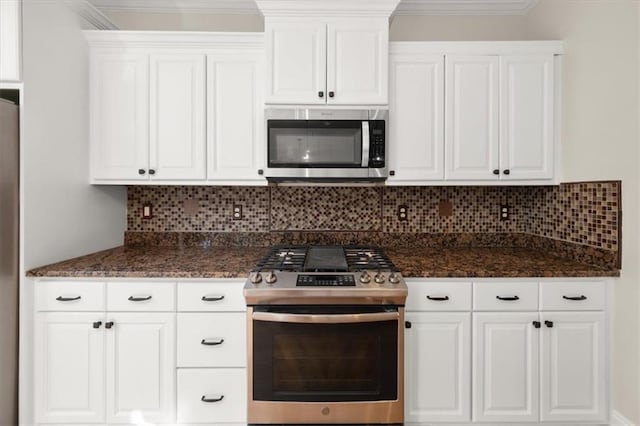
(394, 278)
(271, 278)
(255, 277)
(365, 278)
(379, 278)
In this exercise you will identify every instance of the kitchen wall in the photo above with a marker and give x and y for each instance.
(62, 215)
(600, 141)
(187, 21)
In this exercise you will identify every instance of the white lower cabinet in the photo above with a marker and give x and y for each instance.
(141, 366)
(212, 395)
(505, 367)
(437, 361)
(69, 367)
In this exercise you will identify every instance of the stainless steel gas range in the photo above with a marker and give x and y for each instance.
(325, 337)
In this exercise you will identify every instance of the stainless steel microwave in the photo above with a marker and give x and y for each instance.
(323, 144)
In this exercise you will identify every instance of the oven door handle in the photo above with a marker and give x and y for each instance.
(326, 319)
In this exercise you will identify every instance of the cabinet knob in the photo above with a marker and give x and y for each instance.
(331, 94)
(549, 324)
(260, 171)
(407, 324)
(152, 172)
(536, 324)
(506, 172)
(97, 324)
(321, 94)
(108, 324)
(496, 171)
(392, 173)
(141, 171)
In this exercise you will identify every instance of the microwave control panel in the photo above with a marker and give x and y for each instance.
(377, 144)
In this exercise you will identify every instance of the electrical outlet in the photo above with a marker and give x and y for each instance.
(403, 213)
(147, 211)
(505, 210)
(237, 212)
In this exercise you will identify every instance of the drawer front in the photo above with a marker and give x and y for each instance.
(438, 296)
(141, 296)
(222, 296)
(505, 296)
(224, 391)
(574, 296)
(212, 340)
(69, 296)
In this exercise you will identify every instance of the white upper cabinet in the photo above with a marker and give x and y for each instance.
(235, 117)
(497, 112)
(176, 107)
(327, 61)
(119, 115)
(416, 118)
(526, 111)
(10, 17)
(472, 121)
(297, 62)
(177, 99)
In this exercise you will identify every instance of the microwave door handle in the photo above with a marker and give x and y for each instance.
(365, 144)
(325, 319)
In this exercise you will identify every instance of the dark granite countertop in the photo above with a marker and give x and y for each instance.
(235, 262)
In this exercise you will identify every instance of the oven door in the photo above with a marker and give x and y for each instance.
(326, 364)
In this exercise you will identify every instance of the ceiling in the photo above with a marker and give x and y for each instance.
(406, 7)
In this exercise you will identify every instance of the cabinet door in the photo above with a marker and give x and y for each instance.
(416, 121)
(574, 368)
(177, 98)
(235, 117)
(471, 117)
(119, 116)
(296, 61)
(69, 368)
(438, 367)
(505, 367)
(526, 117)
(357, 61)
(141, 368)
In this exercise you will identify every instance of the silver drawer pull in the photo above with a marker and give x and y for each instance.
(214, 399)
(139, 299)
(68, 299)
(438, 298)
(212, 298)
(581, 297)
(208, 342)
(508, 298)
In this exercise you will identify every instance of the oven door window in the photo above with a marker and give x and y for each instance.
(325, 362)
(314, 143)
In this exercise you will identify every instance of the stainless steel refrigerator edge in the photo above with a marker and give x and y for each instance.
(9, 240)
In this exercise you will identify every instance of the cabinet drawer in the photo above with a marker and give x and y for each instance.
(575, 296)
(438, 296)
(69, 296)
(224, 391)
(212, 340)
(211, 296)
(140, 296)
(505, 296)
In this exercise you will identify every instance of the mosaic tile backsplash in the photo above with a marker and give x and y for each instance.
(581, 213)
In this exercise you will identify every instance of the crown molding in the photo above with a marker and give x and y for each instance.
(280, 8)
(333, 7)
(175, 6)
(174, 39)
(91, 15)
(465, 7)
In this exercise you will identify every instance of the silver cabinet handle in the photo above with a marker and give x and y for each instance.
(325, 319)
